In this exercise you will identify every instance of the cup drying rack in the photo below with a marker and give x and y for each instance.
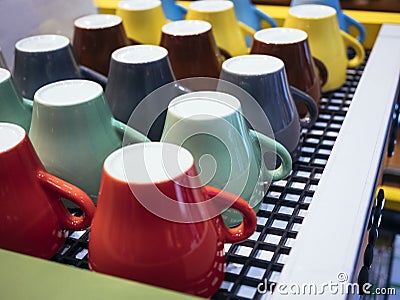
(282, 212)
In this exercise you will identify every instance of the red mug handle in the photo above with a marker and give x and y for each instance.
(249, 224)
(70, 192)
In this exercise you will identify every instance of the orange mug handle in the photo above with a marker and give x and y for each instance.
(70, 192)
(249, 224)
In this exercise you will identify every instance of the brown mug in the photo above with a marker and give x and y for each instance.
(291, 46)
(192, 49)
(95, 38)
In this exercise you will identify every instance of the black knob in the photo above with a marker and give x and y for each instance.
(373, 235)
(368, 255)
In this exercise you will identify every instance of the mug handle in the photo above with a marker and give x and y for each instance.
(322, 71)
(225, 54)
(27, 103)
(183, 9)
(133, 135)
(133, 42)
(246, 30)
(249, 224)
(70, 192)
(90, 74)
(360, 28)
(312, 107)
(286, 160)
(263, 16)
(349, 41)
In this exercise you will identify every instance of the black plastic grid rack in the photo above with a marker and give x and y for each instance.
(261, 258)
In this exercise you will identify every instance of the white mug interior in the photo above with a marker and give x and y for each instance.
(186, 27)
(204, 105)
(139, 54)
(97, 21)
(153, 163)
(42, 43)
(10, 136)
(254, 64)
(4, 75)
(312, 11)
(68, 92)
(211, 6)
(138, 4)
(280, 35)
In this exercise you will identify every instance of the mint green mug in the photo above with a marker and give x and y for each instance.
(13, 108)
(73, 131)
(228, 155)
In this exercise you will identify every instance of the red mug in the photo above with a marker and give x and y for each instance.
(147, 226)
(32, 217)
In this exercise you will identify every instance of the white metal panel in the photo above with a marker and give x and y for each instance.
(329, 240)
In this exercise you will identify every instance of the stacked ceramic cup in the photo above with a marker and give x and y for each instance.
(194, 172)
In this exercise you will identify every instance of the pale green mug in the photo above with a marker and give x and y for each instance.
(73, 131)
(228, 155)
(13, 108)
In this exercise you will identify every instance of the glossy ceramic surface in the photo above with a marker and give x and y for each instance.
(135, 72)
(295, 52)
(264, 78)
(192, 257)
(327, 42)
(95, 38)
(228, 31)
(173, 11)
(135, 14)
(3, 63)
(224, 149)
(73, 131)
(43, 59)
(32, 217)
(250, 15)
(345, 21)
(193, 53)
(13, 108)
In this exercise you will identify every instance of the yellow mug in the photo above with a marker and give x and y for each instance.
(142, 20)
(229, 33)
(327, 42)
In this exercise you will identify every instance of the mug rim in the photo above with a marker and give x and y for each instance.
(186, 29)
(70, 96)
(60, 42)
(94, 21)
(207, 6)
(150, 53)
(312, 11)
(11, 136)
(254, 69)
(266, 36)
(138, 5)
(114, 164)
(4, 75)
(221, 105)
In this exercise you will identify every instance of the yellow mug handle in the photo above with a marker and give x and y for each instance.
(350, 41)
(246, 30)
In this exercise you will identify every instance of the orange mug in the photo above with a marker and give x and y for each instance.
(32, 218)
(156, 224)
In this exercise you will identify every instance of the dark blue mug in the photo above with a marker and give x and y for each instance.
(43, 59)
(135, 72)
